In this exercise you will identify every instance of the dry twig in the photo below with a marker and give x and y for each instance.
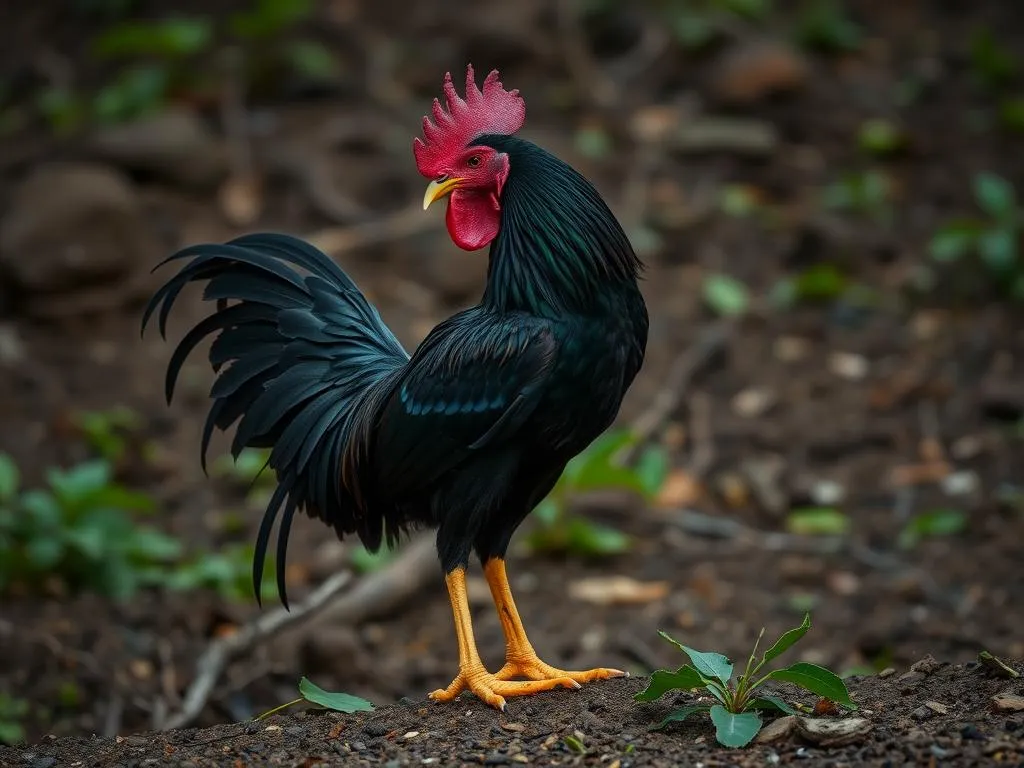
(222, 650)
(711, 341)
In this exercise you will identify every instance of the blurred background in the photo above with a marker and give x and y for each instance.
(831, 418)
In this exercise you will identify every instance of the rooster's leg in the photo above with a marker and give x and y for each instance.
(520, 658)
(472, 674)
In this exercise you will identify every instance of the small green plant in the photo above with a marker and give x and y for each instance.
(558, 530)
(725, 295)
(12, 714)
(107, 431)
(994, 238)
(736, 714)
(881, 138)
(824, 26)
(992, 64)
(936, 522)
(79, 528)
(226, 571)
(865, 193)
(314, 694)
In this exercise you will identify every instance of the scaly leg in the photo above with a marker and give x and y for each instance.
(520, 658)
(472, 674)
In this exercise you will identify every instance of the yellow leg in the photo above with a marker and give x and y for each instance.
(520, 658)
(472, 674)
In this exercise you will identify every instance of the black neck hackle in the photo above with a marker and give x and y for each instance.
(559, 248)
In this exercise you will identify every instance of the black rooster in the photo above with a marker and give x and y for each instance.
(469, 433)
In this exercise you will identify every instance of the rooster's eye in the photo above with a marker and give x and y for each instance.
(473, 161)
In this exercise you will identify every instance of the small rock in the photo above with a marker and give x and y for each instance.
(827, 493)
(777, 730)
(175, 145)
(926, 665)
(752, 71)
(922, 713)
(962, 483)
(937, 707)
(887, 672)
(44, 762)
(910, 681)
(833, 733)
(848, 365)
(753, 402)
(375, 730)
(971, 732)
(791, 349)
(71, 228)
(1008, 702)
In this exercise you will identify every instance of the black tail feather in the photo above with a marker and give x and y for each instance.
(303, 362)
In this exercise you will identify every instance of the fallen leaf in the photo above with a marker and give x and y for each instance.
(1008, 702)
(937, 707)
(241, 200)
(776, 730)
(680, 489)
(833, 733)
(617, 590)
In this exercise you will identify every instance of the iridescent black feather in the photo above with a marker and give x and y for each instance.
(302, 358)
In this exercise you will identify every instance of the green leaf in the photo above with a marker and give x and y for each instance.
(879, 137)
(726, 295)
(734, 730)
(339, 702)
(594, 142)
(995, 195)
(547, 512)
(998, 249)
(269, 17)
(819, 282)
(152, 545)
(815, 679)
(652, 469)
(312, 60)
(89, 540)
(817, 521)
(10, 477)
(598, 454)
(710, 665)
(166, 38)
(75, 485)
(954, 241)
(365, 561)
(587, 538)
(44, 552)
(771, 704)
(937, 522)
(680, 715)
(119, 497)
(787, 640)
(42, 509)
(686, 678)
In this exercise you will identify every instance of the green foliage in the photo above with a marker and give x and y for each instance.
(824, 26)
(339, 702)
(818, 521)
(12, 713)
(363, 560)
(247, 469)
(880, 138)
(994, 238)
(695, 24)
(866, 193)
(937, 522)
(226, 571)
(135, 92)
(726, 295)
(557, 529)
(169, 38)
(268, 18)
(992, 64)
(82, 529)
(106, 432)
(735, 716)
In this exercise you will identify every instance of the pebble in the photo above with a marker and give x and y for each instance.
(1008, 702)
(375, 730)
(922, 713)
(44, 762)
(848, 365)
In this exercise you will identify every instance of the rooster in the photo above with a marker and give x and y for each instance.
(469, 432)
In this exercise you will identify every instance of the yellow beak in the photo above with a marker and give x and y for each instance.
(438, 189)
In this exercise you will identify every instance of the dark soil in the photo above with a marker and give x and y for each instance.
(944, 717)
(904, 402)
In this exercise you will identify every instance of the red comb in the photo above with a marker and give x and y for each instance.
(492, 110)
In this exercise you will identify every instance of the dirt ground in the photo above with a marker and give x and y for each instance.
(885, 401)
